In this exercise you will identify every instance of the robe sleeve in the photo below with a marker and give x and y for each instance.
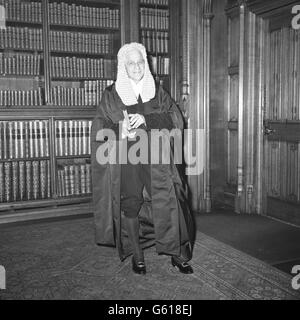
(170, 107)
(108, 124)
(104, 113)
(170, 116)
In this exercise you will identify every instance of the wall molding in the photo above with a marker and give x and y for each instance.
(240, 168)
(195, 90)
(207, 17)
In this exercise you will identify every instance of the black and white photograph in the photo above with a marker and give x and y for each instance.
(149, 153)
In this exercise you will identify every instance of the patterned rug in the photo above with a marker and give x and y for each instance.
(59, 260)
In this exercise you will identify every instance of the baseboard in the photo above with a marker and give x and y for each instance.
(46, 213)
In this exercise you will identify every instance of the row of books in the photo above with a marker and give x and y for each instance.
(93, 43)
(155, 41)
(78, 15)
(20, 98)
(94, 90)
(74, 179)
(24, 139)
(89, 95)
(155, 2)
(20, 64)
(284, 83)
(24, 180)
(72, 67)
(154, 18)
(17, 10)
(73, 137)
(160, 65)
(21, 38)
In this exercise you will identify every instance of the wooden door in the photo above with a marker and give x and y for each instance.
(282, 124)
(263, 109)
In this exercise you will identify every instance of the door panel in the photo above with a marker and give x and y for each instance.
(232, 158)
(232, 106)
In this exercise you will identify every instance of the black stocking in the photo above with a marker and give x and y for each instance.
(132, 227)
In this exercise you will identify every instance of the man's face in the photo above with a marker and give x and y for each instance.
(135, 65)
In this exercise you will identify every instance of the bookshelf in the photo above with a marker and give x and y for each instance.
(155, 36)
(56, 58)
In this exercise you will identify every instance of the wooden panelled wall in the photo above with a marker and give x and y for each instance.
(218, 98)
(255, 80)
(223, 91)
(195, 93)
(244, 111)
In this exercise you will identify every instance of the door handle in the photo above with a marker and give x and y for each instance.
(268, 130)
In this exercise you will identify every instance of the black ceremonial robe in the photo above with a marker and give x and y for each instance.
(165, 219)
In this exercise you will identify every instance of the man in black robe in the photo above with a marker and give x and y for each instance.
(138, 204)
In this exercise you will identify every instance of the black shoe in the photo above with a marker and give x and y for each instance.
(183, 267)
(139, 267)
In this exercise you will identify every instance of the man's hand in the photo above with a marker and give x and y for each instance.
(136, 120)
(127, 130)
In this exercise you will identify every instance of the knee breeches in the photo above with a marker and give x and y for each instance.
(134, 177)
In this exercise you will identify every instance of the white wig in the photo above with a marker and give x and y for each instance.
(123, 85)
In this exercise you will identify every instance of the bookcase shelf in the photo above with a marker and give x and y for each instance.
(52, 210)
(25, 159)
(82, 54)
(43, 203)
(84, 156)
(78, 79)
(20, 23)
(20, 76)
(154, 6)
(20, 50)
(153, 53)
(79, 28)
(94, 3)
(65, 187)
(45, 112)
(155, 35)
(154, 29)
